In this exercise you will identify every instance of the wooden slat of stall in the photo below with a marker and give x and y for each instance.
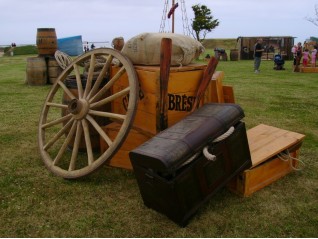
(309, 69)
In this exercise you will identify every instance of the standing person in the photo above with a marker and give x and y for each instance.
(258, 50)
(297, 56)
(294, 51)
(314, 56)
(305, 57)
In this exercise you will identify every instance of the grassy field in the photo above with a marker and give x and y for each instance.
(225, 43)
(21, 50)
(35, 203)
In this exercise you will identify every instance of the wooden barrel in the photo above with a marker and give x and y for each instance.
(234, 54)
(53, 69)
(118, 43)
(71, 84)
(46, 41)
(36, 71)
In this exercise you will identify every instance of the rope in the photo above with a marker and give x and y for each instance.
(207, 155)
(62, 59)
(225, 135)
(205, 151)
(212, 157)
(191, 159)
(287, 157)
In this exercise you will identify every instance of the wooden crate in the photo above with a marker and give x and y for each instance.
(135, 138)
(182, 86)
(217, 92)
(265, 143)
(183, 83)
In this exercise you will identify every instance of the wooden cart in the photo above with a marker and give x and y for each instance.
(98, 89)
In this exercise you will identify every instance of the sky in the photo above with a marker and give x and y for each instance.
(103, 20)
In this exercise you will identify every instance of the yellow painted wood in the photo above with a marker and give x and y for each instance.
(228, 93)
(214, 92)
(266, 141)
(182, 85)
(134, 139)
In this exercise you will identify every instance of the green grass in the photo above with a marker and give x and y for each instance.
(224, 43)
(22, 50)
(35, 203)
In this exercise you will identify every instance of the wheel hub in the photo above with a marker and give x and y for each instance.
(79, 108)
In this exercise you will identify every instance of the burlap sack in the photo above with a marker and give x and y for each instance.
(144, 49)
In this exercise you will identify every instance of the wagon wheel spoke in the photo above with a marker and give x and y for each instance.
(111, 98)
(62, 106)
(90, 75)
(99, 130)
(71, 130)
(109, 84)
(66, 90)
(101, 76)
(78, 136)
(78, 81)
(64, 146)
(57, 121)
(107, 114)
(90, 156)
(58, 135)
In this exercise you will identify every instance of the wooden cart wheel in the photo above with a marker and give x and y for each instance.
(65, 126)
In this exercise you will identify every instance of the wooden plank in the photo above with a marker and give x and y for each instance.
(260, 177)
(214, 92)
(135, 138)
(165, 61)
(204, 82)
(228, 93)
(190, 67)
(217, 84)
(267, 141)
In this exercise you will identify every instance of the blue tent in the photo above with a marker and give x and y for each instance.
(72, 46)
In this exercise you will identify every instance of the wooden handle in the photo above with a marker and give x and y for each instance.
(165, 61)
(207, 75)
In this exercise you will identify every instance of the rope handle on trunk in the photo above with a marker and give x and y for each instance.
(206, 152)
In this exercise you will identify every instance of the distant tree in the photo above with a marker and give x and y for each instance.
(314, 20)
(203, 22)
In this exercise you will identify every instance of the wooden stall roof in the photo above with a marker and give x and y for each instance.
(266, 37)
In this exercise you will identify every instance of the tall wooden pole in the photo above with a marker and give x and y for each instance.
(172, 18)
